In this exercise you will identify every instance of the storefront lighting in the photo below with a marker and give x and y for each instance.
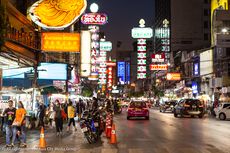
(224, 30)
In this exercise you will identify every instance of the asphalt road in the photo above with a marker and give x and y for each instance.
(161, 134)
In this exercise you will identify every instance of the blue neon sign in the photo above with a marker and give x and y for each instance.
(121, 72)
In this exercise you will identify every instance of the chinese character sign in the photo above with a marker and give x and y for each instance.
(141, 58)
(141, 33)
(94, 18)
(158, 58)
(94, 48)
(110, 78)
(103, 68)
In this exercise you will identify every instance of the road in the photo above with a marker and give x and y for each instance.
(161, 134)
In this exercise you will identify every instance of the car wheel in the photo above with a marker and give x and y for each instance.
(201, 115)
(147, 118)
(160, 110)
(192, 116)
(222, 116)
(181, 114)
(175, 115)
(128, 117)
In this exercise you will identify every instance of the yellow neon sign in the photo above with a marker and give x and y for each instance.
(60, 42)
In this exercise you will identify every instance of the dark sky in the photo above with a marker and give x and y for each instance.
(123, 16)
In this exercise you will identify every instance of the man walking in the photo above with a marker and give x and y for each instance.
(41, 112)
(10, 115)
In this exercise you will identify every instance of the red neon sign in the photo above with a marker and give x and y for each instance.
(94, 18)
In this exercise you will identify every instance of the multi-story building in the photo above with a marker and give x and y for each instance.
(220, 17)
(162, 12)
(189, 23)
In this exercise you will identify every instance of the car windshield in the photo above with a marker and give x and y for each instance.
(137, 104)
(193, 102)
(226, 105)
(170, 102)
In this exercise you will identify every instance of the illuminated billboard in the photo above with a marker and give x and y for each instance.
(110, 78)
(48, 71)
(60, 42)
(95, 48)
(85, 53)
(158, 58)
(16, 73)
(141, 59)
(106, 45)
(162, 67)
(121, 72)
(94, 18)
(127, 72)
(206, 62)
(52, 71)
(194, 87)
(173, 76)
(142, 32)
(56, 14)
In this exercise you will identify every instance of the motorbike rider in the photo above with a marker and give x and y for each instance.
(95, 104)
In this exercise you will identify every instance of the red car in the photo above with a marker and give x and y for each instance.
(138, 109)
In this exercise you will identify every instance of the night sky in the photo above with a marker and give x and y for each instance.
(123, 16)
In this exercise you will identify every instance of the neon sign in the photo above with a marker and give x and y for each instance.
(94, 18)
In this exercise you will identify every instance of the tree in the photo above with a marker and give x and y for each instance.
(158, 93)
(87, 92)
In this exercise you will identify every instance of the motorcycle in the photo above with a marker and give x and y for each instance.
(87, 126)
(92, 124)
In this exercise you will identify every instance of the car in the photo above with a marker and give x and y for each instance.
(168, 106)
(138, 109)
(192, 107)
(223, 111)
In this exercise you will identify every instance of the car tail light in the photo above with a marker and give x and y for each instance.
(129, 109)
(185, 105)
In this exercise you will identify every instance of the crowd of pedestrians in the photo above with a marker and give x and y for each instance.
(51, 116)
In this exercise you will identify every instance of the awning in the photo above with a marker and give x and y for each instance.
(12, 92)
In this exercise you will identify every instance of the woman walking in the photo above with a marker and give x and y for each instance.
(71, 115)
(58, 118)
(19, 125)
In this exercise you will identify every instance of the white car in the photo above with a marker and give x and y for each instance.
(223, 111)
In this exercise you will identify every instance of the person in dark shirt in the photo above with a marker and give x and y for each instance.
(58, 118)
(10, 116)
(95, 104)
(41, 112)
(80, 107)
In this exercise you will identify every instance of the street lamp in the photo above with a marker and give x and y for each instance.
(94, 8)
